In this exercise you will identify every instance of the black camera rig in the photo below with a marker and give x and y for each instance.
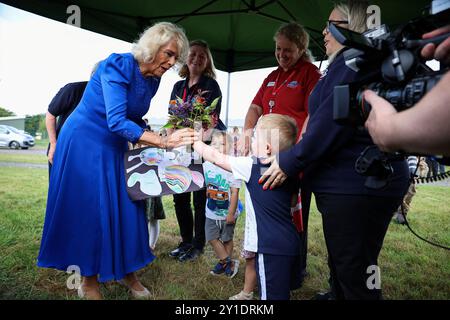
(391, 65)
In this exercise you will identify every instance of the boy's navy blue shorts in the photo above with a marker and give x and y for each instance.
(277, 275)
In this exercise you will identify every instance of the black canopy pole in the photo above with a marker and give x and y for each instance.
(272, 17)
(287, 11)
(195, 11)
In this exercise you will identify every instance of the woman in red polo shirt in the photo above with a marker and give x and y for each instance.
(285, 91)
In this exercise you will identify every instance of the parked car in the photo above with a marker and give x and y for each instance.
(15, 138)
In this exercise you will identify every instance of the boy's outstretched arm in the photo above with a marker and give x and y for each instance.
(212, 155)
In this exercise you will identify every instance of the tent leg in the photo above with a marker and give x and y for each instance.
(228, 99)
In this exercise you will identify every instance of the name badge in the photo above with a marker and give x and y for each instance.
(271, 84)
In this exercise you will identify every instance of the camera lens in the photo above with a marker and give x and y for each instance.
(401, 98)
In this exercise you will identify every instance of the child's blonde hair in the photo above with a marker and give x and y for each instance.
(286, 129)
(224, 135)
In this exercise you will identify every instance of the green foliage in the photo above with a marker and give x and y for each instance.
(186, 114)
(43, 128)
(6, 113)
(35, 124)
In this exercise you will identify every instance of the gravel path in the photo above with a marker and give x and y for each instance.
(23, 165)
(27, 151)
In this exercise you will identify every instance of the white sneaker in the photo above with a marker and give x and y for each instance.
(242, 296)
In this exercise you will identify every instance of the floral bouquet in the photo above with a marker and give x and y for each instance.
(184, 114)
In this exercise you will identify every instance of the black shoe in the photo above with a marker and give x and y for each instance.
(190, 255)
(180, 250)
(322, 296)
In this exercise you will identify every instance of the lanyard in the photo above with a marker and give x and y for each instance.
(275, 90)
(184, 94)
(192, 89)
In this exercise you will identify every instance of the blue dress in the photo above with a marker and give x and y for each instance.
(90, 221)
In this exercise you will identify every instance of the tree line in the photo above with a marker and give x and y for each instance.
(33, 124)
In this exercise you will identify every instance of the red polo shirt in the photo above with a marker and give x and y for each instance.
(291, 98)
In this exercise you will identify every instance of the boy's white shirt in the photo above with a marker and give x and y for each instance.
(210, 171)
(241, 167)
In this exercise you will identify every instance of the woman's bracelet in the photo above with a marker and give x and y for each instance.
(163, 142)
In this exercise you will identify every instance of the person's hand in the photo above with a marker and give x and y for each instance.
(181, 137)
(167, 131)
(244, 141)
(230, 219)
(206, 134)
(51, 152)
(199, 146)
(379, 122)
(442, 51)
(274, 175)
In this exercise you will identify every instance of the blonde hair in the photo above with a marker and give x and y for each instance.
(286, 126)
(210, 70)
(355, 12)
(154, 37)
(295, 33)
(218, 134)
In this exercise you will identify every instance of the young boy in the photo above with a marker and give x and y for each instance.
(269, 230)
(222, 195)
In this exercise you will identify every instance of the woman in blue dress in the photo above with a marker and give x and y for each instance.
(90, 221)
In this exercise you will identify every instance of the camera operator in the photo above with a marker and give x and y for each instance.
(424, 128)
(355, 218)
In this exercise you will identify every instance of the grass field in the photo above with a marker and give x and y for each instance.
(23, 158)
(43, 143)
(26, 156)
(410, 268)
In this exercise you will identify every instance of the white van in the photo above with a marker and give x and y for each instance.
(14, 138)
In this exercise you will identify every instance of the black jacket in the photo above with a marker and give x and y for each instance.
(205, 83)
(328, 151)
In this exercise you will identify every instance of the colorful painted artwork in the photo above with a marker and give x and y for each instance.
(156, 172)
(148, 182)
(178, 178)
(150, 156)
(198, 179)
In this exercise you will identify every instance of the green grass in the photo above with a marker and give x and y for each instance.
(410, 268)
(23, 158)
(41, 144)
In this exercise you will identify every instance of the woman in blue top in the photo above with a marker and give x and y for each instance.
(355, 217)
(90, 221)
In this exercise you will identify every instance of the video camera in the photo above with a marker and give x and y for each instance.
(389, 64)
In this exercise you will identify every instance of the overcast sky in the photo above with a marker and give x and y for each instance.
(38, 56)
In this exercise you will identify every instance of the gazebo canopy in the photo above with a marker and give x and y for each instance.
(239, 32)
